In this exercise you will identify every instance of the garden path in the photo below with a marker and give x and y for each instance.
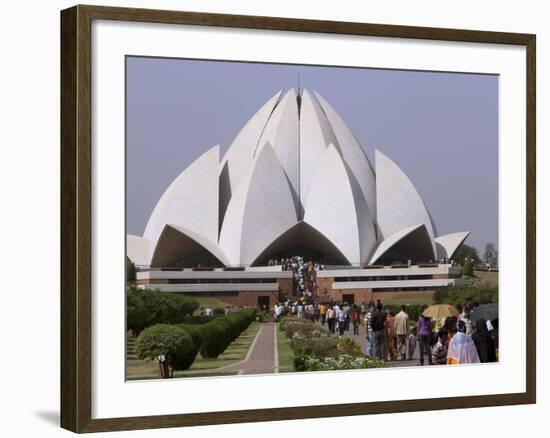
(262, 356)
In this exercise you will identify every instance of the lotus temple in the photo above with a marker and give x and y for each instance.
(294, 182)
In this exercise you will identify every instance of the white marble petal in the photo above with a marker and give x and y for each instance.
(191, 201)
(449, 243)
(260, 210)
(137, 250)
(282, 133)
(353, 154)
(239, 157)
(392, 240)
(176, 242)
(315, 136)
(331, 206)
(399, 205)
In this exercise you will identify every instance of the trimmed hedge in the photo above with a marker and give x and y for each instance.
(220, 331)
(196, 338)
(198, 319)
(174, 343)
(146, 307)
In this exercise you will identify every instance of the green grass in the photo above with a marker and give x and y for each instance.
(399, 298)
(204, 302)
(235, 352)
(488, 278)
(286, 355)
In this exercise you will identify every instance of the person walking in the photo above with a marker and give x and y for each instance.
(341, 318)
(401, 328)
(389, 326)
(370, 333)
(378, 332)
(347, 310)
(323, 313)
(331, 318)
(424, 328)
(355, 317)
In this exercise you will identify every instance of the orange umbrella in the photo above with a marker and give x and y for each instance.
(439, 311)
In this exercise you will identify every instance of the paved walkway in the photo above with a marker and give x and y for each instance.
(262, 355)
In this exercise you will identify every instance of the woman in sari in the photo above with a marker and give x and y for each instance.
(461, 348)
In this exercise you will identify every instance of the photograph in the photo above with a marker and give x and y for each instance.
(288, 218)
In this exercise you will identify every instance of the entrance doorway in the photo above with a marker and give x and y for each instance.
(263, 303)
(348, 298)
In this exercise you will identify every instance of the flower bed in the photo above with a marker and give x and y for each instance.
(315, 349)
(342, 362)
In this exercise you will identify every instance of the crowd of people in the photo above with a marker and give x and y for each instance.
(456, 341)
(392, 337)
(304, 274)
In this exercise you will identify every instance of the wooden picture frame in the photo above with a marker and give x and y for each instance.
(76, 218)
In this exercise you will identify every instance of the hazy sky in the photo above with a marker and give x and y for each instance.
(440, 128)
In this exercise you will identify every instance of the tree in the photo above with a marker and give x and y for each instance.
(145, 308)
(170, 345)
(130, 271)
(490, 255)
(467, 252)
(468, 268)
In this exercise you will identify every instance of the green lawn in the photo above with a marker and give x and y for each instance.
(488, 278)
(399, 298)
(209, 301)
(138, 369)
(286, 355)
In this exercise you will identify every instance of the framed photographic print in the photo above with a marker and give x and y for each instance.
(258, 202)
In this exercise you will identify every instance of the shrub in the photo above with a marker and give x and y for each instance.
(198, 319)
(348, 347)
(318, 346)
(468, 268)
(145, 308)
(456, 295)
(219, 311)
(196, 338)
(172, 342)
(301, 325)
(215, 338)
(130, 271)
(221, 331)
